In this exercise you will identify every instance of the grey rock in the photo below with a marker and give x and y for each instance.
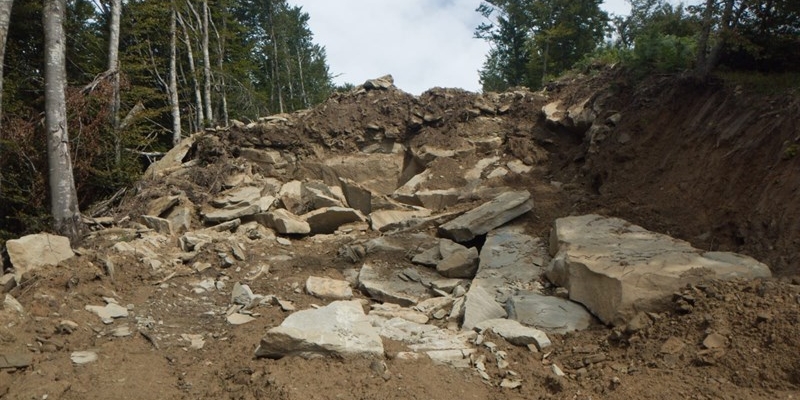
(237, 197)
(382, 83)
(480, 306)
(291, 195)
(487, 216)
(421, 337)
(160, 225)
(326, 288)
(389, 311)
(260, 156)
(339, 329)
(548, 313)
(215, 216)
(515, 333)
(327, 220)
(357, 197)
(83, 357)
(161, 205)
(380, 281)
(108, 312)
(34, 251)
(459, 264)
(10, 303)
(15, 360)
(616, 268)
(385, 220)
(239, 319)
(284, 222)
(242, 295)
(438, 199)
(429, 257)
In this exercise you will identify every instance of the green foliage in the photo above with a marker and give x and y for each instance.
(534, 39)
(663, 53)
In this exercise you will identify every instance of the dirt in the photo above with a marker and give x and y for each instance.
(710, 165)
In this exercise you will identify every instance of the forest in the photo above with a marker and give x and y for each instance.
(94, 90)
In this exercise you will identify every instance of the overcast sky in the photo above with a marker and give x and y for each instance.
(422, 43)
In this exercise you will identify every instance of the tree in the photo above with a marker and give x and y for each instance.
(113, 69)
(533, 39)
(63, 196)
(174, 101)
(5, 15)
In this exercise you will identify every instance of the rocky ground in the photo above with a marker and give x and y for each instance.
(450, 245)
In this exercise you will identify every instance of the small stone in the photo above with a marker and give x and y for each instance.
(83, 357)
(763, 316)
(108, 312)
(556, 370)
(15, 360)
(242, 294)
(673, 345)
(326, 288)
(196, 340)
(239, 319)
(10, 303)
(283, 241)
(121, 331)
(67, 326)
(715, 341)
(286, 305)
(510, 383)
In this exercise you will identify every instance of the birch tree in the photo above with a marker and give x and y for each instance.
(207, 66)
(192, 71)
(113, 68)
(5, 16)
(173, 78)
(63, 196)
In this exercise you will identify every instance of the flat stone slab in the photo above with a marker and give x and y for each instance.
(326, 288)
(385, 220)
(284, 222)
(480, 306)
(382, 282)
(548, 313)
(328, 219)
(516, 333)
(616, 268)
(15, 360)
(34, 251)
(487, 216)
(339, 329)
(238, 196)
(421, 337)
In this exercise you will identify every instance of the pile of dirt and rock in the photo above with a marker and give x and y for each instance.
(392, 246)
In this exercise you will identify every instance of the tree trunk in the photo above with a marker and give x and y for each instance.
(173, 78)
(197, 96)
(220, 66)
(63, 197)
(302, 80)
(113, 66)
(5, 16)
(207, 66)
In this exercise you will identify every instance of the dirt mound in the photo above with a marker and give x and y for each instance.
(712, 166)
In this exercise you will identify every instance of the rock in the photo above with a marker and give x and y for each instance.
(441, 345)
(480, 306)
(438, 199)
(459, 264)
(487, 216)
(389, 311)
(291, 196)
(7, 282)
(327, 220)
(383, 83)
(284, 222)
(357, 197)
(318, 195)
(34, 251)
(181, 218)
(509, 383)
(339, 329)
(509, 255)
(237, 197)
(83, 357)
(616, 268)
(242, 295)
(326, 288)
(380, 281)
(673, 345)
(10, 303)
(715, 341)
(67, 327)
(122, 331)
(548, 313)
(639, 322)
(429, 257)
(554, 113)
(216, 216)
(385, 220)
(518, 167)
(263, 156)
(172, 160)
(515, 333)
(161, 205)
(432, 305)
(476, 171)
(108, 312)
(239, 319)
(15, 360)
(160, 225)
(196, 340)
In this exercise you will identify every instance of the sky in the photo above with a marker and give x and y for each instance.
(422, 43)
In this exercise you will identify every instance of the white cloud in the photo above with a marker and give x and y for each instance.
(422, 43)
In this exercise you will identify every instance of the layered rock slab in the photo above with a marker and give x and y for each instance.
(339, 329)
(617, 269)
(33, 251)
(487, 216)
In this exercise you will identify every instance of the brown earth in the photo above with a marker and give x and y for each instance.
(713, 165)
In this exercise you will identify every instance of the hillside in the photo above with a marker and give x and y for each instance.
(384, 245)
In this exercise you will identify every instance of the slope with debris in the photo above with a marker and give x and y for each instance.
(450, 245)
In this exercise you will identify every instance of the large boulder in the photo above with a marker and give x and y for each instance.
(487, 216)
(328, 219)
(33, 251)
(284, 222)
(616, 268)
(339, 329)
